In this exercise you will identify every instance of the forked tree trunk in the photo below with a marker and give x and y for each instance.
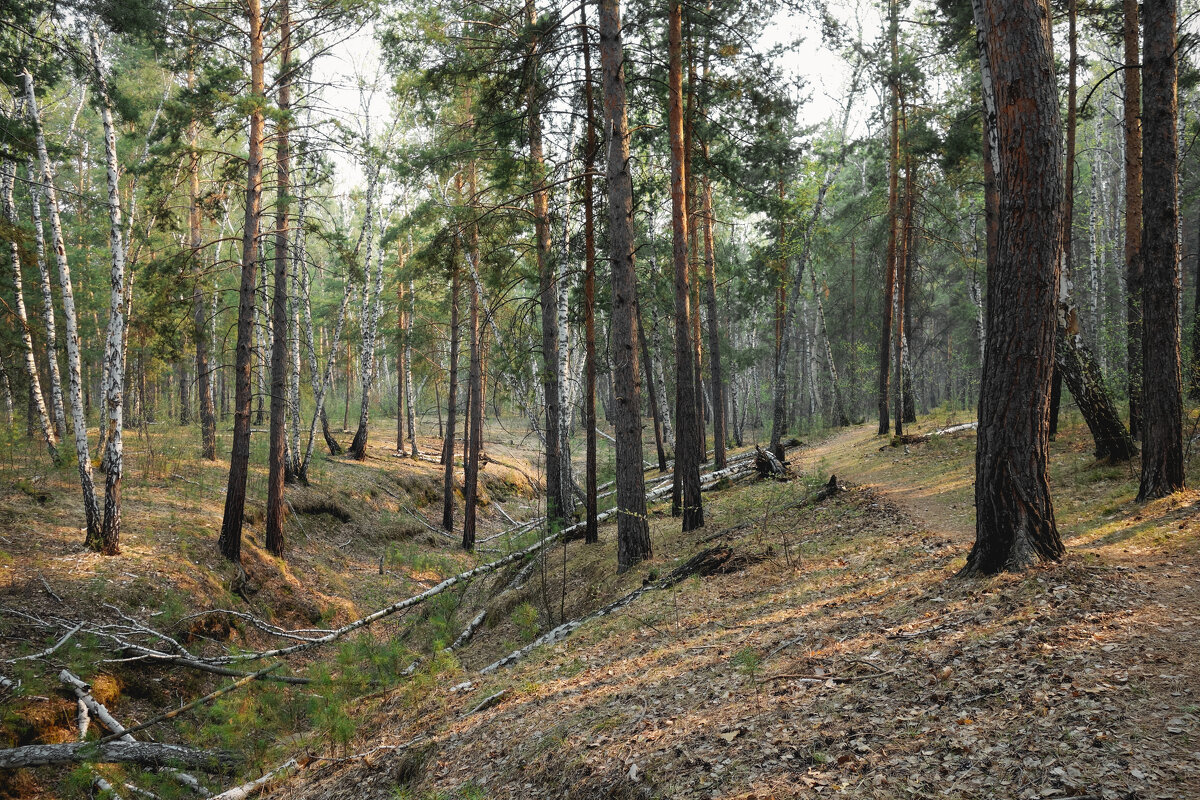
(1015, 518)
(230, 541)
(1162, 441)
(91, 510)
(633, 530)
(687, 424)
(277, 458)
(114, 354)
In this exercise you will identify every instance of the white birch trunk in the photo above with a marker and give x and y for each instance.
(39, 238)
(409, 395)
(1094, 222)
(8, 174)
(115, 341)
(91, 509)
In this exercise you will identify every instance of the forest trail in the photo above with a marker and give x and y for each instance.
(858, 455)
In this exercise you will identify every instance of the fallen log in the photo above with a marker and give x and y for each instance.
(925, 437)
(143, 754)
(247, 789)
(707, 562)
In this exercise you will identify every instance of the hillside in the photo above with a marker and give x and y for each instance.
(831, 651)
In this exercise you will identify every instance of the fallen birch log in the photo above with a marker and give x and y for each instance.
(247, 789)
(143, 754)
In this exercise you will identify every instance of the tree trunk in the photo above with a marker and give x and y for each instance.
(370, 323)
(1133, 216)
(474, 385)
(400, 376)
(230, 541)
(1162, 440)
(716, 378)
(208, 419)
(410, 396)
(91, 510)
(1015, 517)
(557, 495)
(591, 525)
(451, 397)
(687, 424)
(656, 416)
(889, 276)
(43, 267)
(633, 530)
(277, 459)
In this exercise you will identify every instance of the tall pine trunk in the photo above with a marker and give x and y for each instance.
(230, 541)
(451, 396)
(889, 277)
(1162, 440)
(277, 459)
(557, 497)
(687, 422)
(591, 525)
(1015, 517)
(633, 530)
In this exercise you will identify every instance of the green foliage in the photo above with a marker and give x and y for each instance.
(525, 617)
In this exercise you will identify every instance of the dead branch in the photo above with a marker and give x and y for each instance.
(49, 650)
(144, 754)
(246, 789)
(175, 712)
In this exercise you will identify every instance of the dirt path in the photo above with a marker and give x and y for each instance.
(938, 500)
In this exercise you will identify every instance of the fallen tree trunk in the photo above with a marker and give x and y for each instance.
(925, 437)
(706, 562)
(143, 754)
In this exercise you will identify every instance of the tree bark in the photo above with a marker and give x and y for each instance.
(889, 276)
(687, 424)
(370, 322)
(91, 510)
(655, 413)
(43, 267)
(1133, 214)
(143, 754)
(591, 526)
(276, 512)
(110, 533)
(37, 400)
(208, 418)
(557, 495)
(716, 378)
(230, 541)
(633, 530)
(451, 397)
(1015, 517)
(474, 385)
(1162, 442)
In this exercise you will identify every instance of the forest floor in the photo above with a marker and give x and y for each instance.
(838, 656)
(845, 660)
